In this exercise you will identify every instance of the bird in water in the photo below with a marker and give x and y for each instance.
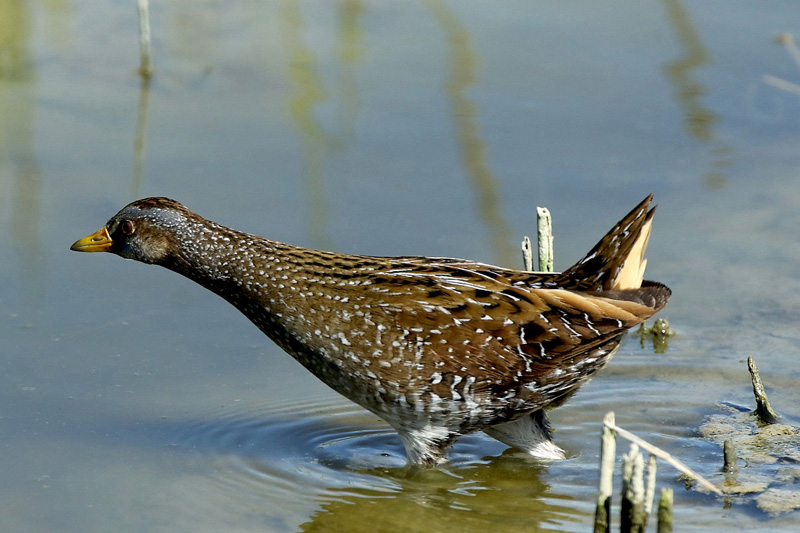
(437, 347)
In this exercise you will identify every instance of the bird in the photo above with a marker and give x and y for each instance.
(437, 347)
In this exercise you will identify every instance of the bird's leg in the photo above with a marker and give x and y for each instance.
(530, 433)
(427, 445)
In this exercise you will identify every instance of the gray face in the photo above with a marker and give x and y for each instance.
(146, 235)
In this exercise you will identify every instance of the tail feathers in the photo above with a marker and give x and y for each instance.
(631, 273)
(616, 262)
(651, 294)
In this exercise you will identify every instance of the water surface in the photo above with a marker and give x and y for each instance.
(130, 397)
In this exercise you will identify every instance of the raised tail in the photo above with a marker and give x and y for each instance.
(616, 262)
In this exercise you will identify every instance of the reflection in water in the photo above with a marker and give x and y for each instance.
(700, 121)
(463, 65)
(355, 468)
(139, 137)
(57, 22)
(351, 52)
(309, 92)
(501, 494)
(15, 60)
(18, 143)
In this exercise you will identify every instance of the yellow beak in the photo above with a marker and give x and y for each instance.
(96, 242)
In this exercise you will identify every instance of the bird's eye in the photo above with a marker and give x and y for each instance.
(126, 226)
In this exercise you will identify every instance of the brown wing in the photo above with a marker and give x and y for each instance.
(463, 328)
(482, 335)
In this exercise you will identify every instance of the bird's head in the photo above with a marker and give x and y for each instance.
(146, 230)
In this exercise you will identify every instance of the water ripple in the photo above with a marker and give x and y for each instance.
(317, 448)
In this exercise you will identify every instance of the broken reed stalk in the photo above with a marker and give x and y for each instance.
(763, 410)
(665, 511)
(527, 253)
(658, 452)
(728, 456)
(608, 450)
(650, 488)
(144, 39)
(632, 506)
(545, 235)
(544, 232)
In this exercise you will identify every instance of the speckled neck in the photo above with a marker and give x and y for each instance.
(237, 266)
(290, 293)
